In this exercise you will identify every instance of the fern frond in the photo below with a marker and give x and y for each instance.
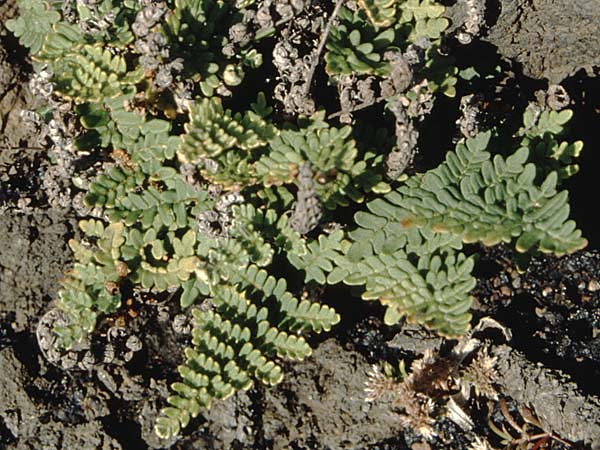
(540, 131)
(295, 315)
(227, 354)
(380, 12)
(35, 21)
(91, 287)
(434, 292)
(63, 38)
(356, 46)
(332, 154)
(213, 132)
(120, 191)
(483, 200)
(274, 228)
(320, 257)
(272, 340)
(406, 248)
(91, 73)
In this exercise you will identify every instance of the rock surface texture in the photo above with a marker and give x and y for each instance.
(551, 39)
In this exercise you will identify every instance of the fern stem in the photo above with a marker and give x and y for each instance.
(357, 107)
(321, 46)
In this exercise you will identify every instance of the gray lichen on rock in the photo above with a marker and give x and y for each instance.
(552, 39)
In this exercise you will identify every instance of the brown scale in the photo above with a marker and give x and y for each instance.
(122, 158)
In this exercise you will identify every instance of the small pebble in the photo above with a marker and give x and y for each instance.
(506, 291)
(593, 285)
(516, 283)
(546, 291)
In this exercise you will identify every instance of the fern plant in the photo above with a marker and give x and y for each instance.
(540, 131)
(364, 40)
(34, 23)
(406, 249)
(198, 30)
(157, 240)
(219, 204)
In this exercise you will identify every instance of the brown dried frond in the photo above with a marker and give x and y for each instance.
(379, 386)
(480, 444)
(431, 376)
(415, 407)
(482, 375)
(417, 411)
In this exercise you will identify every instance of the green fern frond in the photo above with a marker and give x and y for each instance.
(249, 320)
(274, 228)
(35, 21)
(484, 200)
(213, 131)
(160, 263)
(424, 18)
(320, 257)
(296, 316)
(91, 73)
(434, 292)
(227, 354)
(63, 39)
(540, 131)
(356, 46)
(405, 247)
(91, 287)
(247, 230)
(380, 12)
(152, 207)
(332, 154)
(111, 123)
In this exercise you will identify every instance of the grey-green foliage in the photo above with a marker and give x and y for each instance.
(250, 152)
(91, 286)
(86, 70)
(540, 131)
(85, 67)
(356, 46)
(359, 42)
(92, 72)
(341, 173)
(153, 240)
(202, 201)
(89, 66)
(160, 246)
(381, 13)
(198, 30)
(113, 123)
(422, 18)
(35, 21)
(320, 256)
(406, 249)
(239, 340)
(229, 140)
